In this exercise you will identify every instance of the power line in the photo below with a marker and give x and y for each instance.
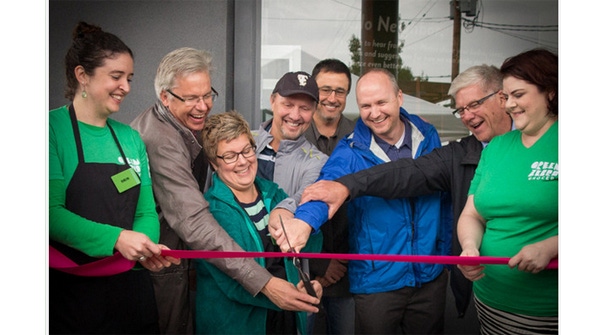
(307, 19)
(428, 35)
(348, 6)
(511, 27)
(341, 34)
(538, 42)
(429, 19)
(420, 19)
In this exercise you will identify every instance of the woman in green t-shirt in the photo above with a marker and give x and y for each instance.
(100, 197)
(512, 208)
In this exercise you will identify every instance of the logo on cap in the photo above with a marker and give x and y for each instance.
(297, 83)
(303, 79)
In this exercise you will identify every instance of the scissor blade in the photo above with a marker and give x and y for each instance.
(291, 249)
(297, 262)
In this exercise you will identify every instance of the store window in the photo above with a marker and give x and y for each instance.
(414, 38)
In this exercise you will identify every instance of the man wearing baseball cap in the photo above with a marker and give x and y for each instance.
(390, 297)
(285, 156)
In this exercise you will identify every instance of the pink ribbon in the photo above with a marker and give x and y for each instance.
(115, 264)
(107, 266)
(463, 260)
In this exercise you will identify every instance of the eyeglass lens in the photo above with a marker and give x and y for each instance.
(232, 157)
(339, 92)
(207, 98)
(471, 106)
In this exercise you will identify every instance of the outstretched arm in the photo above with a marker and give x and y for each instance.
(298, 232)
(470, 229)
(187, 212)
(274, 226)
(401, 178)
(333, 193)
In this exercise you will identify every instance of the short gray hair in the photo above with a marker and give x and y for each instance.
(488, 76)
(181, 62)
(223, 127)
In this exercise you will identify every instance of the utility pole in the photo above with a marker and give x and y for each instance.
(456, 38)
(457, 7)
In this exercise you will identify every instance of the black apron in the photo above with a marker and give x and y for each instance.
(122, 303)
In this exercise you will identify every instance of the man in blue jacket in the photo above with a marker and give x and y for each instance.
(449, 168)
(390, 297)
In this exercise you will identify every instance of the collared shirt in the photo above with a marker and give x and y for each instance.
(266, 160)
(327, 144)
(266, 163)
(398, 150)
(485, 144)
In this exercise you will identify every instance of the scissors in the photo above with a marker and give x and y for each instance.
(297, 262)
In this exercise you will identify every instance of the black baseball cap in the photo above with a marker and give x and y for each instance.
(299, 82)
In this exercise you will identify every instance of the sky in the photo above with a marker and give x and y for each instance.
(323, 28)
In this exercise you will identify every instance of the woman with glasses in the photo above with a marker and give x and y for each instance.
(100, 196)
(512, 208)
(241, 203)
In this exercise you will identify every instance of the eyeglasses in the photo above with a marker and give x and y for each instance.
(297, 262)
(192, 101)
(326, 91)
(459, 112)
(232, 157)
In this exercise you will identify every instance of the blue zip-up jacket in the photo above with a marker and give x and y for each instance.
(404, 226)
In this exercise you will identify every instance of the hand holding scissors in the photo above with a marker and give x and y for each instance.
(300, 233)
(297, 262)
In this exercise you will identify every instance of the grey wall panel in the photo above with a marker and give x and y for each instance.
(151, 29)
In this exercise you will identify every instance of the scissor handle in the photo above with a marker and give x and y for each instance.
(297, 262)
(306, 279)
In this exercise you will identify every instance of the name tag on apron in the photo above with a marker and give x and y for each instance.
(125, 180)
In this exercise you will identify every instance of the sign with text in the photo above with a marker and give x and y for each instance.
(380, 22)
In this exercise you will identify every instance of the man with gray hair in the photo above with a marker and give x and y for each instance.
(180, 175)
(481, 107)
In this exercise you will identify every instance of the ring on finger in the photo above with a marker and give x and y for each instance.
(142, 258)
